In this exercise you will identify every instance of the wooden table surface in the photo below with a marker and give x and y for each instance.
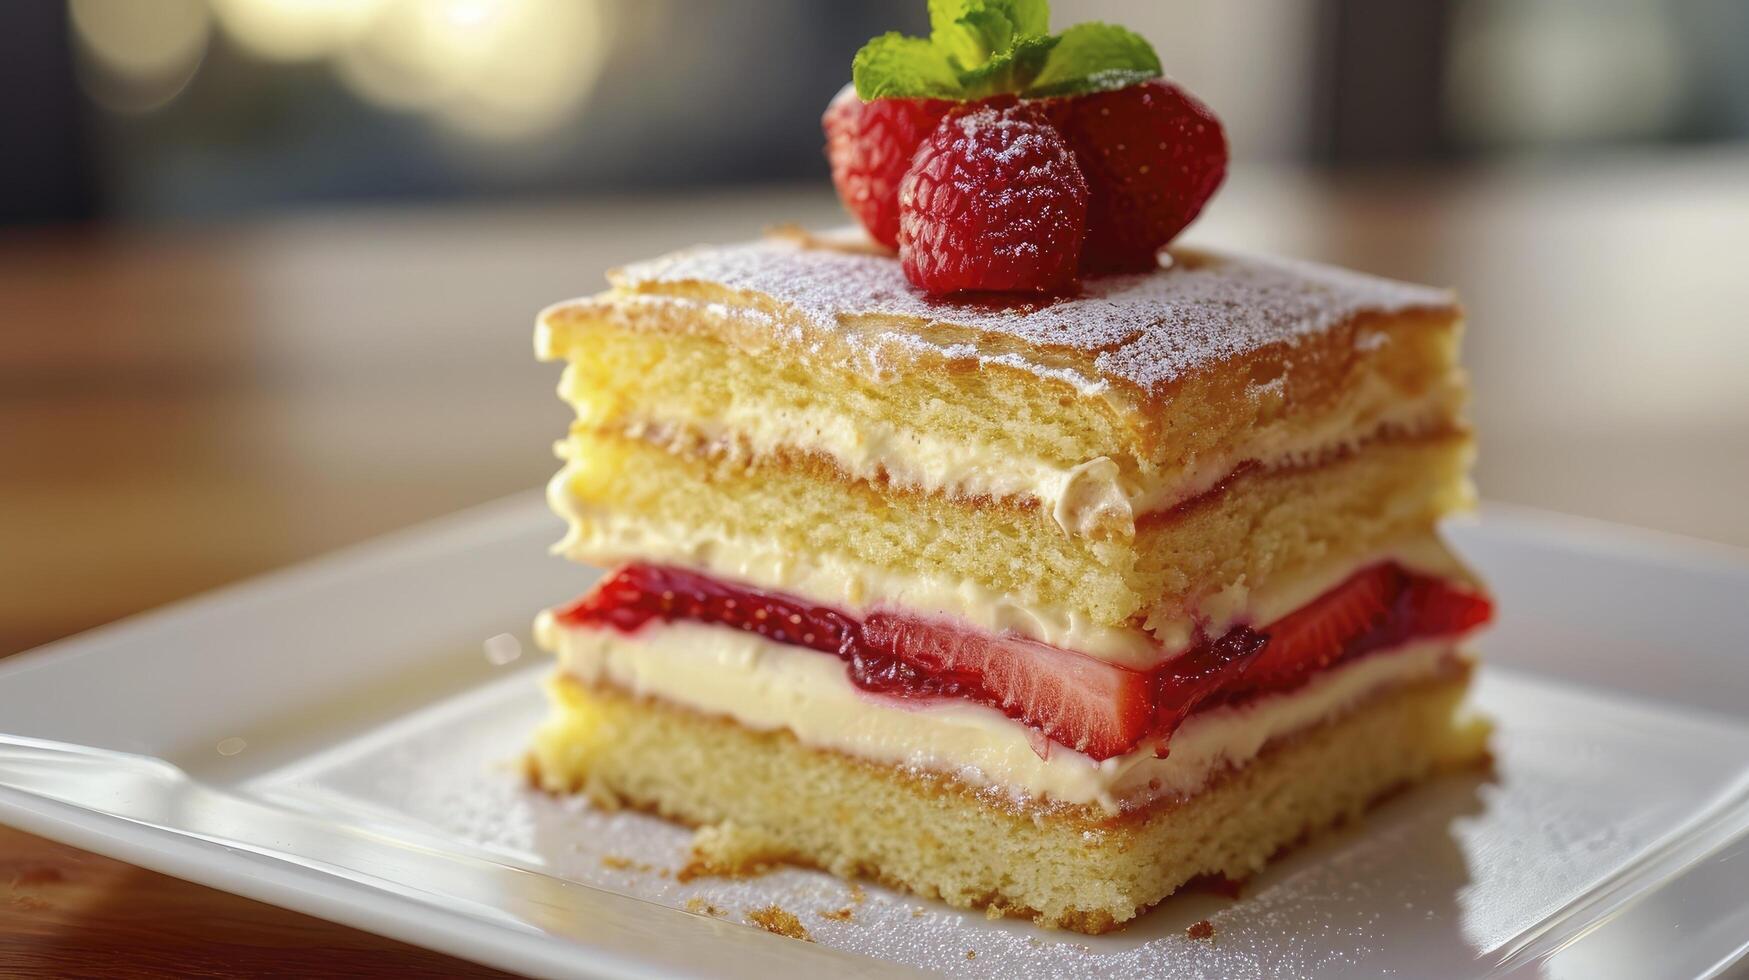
(183, 408)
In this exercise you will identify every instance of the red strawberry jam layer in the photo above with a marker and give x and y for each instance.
(1098, 708)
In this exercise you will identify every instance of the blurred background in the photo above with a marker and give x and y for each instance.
(268, 270)
(210, 109)
(268, 267)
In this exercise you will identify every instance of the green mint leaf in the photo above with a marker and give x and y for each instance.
(980, 48)
(1094, 57)
(1029, 16)
(967, 33)
(1010, 71)
(900, 67)
(973, 32)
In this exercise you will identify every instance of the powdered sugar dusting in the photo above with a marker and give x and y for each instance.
(1019, 140)
(1145, 330)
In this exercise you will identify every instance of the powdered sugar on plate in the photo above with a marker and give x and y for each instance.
(1145, 330)
(1442, 881)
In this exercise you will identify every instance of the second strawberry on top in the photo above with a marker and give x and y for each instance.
(1148, 154)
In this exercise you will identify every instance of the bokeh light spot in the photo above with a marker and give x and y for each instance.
(135, 57)
(493, 69)
(294, 30)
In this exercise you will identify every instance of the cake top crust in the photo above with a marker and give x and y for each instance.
(1144, 330)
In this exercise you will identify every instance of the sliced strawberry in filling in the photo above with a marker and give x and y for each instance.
(1316, 635)
(633, 595)
(1377, 608)
(1076, 700)
(1203, 675)
(1096, 707)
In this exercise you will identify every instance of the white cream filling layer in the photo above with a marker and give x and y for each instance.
(770, 686)
(606, 537)
(1080, 497)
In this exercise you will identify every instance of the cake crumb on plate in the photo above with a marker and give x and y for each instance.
(771, 918)
(699, 906)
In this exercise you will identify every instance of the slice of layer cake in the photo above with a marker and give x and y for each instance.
(1045, 606)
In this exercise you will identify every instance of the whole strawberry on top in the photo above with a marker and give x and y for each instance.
(998, 157)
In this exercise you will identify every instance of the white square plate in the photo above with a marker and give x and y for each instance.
(332, 739)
